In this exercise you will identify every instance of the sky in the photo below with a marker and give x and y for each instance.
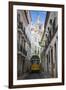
(35, 14)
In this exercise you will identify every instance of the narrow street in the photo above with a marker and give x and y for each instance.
(37, 44)
(38, 75)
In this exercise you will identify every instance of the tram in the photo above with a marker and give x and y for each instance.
(35, 63)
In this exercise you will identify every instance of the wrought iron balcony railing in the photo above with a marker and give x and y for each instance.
(21, 49)
(49, 39)
(20, 26)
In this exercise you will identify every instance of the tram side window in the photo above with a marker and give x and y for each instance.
(37, 61)
(32, 61)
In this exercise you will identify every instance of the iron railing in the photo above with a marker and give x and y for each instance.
(21, 49)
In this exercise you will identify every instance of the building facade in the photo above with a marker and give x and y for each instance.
(23, 42)
(37, 29)
(49, 43)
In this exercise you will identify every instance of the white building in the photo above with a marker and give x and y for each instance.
(49, 42)
(36, 32)
(23, 41)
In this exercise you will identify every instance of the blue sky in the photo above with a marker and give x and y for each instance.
(35, 14)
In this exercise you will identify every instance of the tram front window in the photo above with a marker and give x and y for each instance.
(35, 61)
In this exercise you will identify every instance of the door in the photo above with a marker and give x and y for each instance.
(52, 66)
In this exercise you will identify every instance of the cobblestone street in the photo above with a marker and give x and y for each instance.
(38, 75)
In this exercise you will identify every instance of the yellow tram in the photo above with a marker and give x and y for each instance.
(35, 63)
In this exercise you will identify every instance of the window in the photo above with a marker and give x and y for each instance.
(24, 28)
(18, 41)
(55, 47)
(49, 35)
(48, 28)
(54, 24)
(35, 61)
(47, 63)
(50, 21)
(18, 17)
(55, 52)
(49, 56)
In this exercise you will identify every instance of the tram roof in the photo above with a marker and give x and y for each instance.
(35, 57)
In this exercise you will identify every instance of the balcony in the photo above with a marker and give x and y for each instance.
(46, 45)
(21, 49)
(24, 52)
(20, 26)
(50, 37)
(55, 28)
